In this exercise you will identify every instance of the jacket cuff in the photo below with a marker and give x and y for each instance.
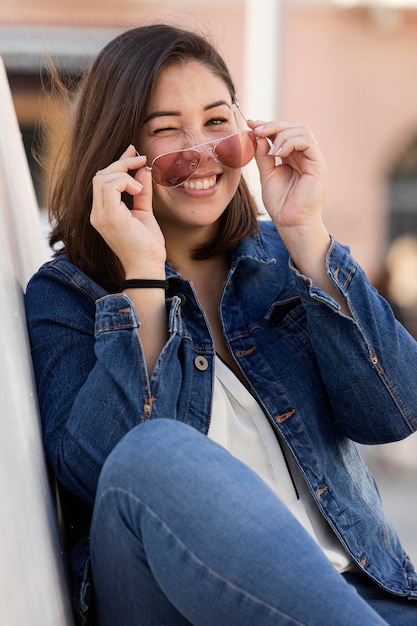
(340, 267)
(115, 312)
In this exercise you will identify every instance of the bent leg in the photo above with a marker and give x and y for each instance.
(185, 533)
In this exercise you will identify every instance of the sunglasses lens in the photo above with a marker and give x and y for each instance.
(172, 169)
(237, 150)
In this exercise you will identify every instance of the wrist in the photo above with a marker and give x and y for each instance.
(144, 283)
(148, 272)
(307, 247)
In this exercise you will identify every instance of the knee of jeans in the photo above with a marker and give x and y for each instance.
(141, 452)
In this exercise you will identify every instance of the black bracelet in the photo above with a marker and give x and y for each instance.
(138, 283)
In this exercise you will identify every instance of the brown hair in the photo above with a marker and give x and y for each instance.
(111, 107)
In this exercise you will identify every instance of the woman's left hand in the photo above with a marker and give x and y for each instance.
(293, 191)
(293, 194)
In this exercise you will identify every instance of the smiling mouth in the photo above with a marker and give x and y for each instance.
(199, 183)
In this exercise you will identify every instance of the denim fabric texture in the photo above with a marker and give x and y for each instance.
(323, 379)
(177, 547)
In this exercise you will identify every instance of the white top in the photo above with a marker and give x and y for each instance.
(239, 424)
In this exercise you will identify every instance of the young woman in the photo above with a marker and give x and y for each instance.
(202, 374)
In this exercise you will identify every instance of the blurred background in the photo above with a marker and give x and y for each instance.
(346, 68)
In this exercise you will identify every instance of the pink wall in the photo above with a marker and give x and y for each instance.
(353, 82)
(355, 85)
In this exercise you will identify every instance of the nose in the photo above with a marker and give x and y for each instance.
(208, 152)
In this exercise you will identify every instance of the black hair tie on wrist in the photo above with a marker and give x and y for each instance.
(136, 283)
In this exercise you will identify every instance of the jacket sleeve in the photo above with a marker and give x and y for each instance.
(91, 377)
(368, 361)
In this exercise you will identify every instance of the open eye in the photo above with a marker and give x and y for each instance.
(217, 121)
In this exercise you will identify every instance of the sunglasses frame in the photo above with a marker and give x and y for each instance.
(212, 145)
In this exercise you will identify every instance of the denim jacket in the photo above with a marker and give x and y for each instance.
(323, 379)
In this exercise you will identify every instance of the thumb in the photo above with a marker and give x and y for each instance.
(263, 159)
(143, 200)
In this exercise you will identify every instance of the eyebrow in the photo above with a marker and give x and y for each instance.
(208, 107)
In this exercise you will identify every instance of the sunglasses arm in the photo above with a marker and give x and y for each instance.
(270, 143)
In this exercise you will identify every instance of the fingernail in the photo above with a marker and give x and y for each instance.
(261, 127)
(274, 151)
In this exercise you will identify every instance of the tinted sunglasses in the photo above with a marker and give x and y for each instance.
(172, 169)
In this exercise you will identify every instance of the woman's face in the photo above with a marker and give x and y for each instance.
(190, 106)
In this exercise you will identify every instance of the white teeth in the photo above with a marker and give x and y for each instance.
(200, 183)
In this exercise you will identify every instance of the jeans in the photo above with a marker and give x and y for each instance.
(395, 610)
(184, 533)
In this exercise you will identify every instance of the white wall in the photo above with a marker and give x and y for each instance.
(32, 582)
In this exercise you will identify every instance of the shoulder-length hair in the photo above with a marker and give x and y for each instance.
(111, 107)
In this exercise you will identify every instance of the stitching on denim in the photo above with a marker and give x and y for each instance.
(381, 518)
(349, 276)
(284, 416)
(64, 267)
(241, 353)
(322, 490)
(115, 327)
(185, 547)
(385, 380)
(392, 390)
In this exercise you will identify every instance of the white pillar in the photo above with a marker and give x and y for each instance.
(33, 586)
(262, 58)
(262, 69)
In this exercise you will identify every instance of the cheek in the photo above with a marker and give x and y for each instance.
(161, 198)
(233, 179)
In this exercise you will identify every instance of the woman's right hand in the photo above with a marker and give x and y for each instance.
(134, 235)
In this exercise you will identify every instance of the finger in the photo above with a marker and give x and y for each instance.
(124, 164)
(107, 191)
(267, 133)
(143, 201)
(119, 181)
(277, 133)
(110, 182)
(293, 138)
(271, 129)
(284, 146)
(263, 143)
(130, 151)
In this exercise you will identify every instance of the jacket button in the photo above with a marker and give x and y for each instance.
(183, 299)
(201, 363)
